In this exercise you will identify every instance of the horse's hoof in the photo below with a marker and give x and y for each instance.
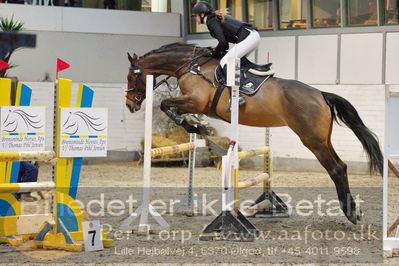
(189, 128)
(191, 120)
(203, 130)
(352, 219)
(355, 215)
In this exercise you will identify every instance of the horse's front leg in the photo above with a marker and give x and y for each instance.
(182, 105)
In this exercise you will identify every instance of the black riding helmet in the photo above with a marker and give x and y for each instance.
(202, 7)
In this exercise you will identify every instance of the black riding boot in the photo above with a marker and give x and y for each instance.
(220, 75)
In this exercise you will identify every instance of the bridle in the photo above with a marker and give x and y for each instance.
(137, 72)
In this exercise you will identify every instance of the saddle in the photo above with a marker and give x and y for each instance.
(253, 76)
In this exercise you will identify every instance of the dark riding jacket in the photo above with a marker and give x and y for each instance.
(231, 30)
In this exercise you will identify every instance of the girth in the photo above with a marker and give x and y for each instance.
(212, 111)
(195, 69)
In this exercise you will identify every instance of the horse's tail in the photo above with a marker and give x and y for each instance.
(345, 111)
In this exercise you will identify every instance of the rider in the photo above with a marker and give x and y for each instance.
(28, 172)
(226, 29)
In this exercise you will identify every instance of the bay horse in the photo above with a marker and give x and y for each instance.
(309, 112)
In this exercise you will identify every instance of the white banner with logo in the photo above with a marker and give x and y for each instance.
(22, 128)
(83, 132)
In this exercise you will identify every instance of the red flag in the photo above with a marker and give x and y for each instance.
(3, 65)
(61, 65)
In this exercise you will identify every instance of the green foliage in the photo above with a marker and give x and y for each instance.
(7, 24)
(10, 24)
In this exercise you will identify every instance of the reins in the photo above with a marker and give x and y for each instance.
(193, 68)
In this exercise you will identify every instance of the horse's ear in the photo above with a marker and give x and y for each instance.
(133, 59)
(130, 58)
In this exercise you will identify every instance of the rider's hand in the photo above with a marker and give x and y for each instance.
(210, 51)
(218, 54)
(215, 53)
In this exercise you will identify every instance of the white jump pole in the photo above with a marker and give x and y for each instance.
(391, 151)
(144, 227)
(41, 156)
(231, 224)
(27, 187)
(232, 160)
(147, 154)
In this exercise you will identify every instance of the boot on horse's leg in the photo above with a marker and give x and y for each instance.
(192, 120)
(179, 120)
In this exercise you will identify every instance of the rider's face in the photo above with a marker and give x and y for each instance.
(198, 18)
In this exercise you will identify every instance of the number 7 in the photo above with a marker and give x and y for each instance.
(94, 236)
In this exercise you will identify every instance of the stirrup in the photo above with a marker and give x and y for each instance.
(241, 102)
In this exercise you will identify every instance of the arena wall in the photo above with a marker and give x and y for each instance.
(94, 41)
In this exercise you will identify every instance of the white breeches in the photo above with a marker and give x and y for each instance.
(243, 48)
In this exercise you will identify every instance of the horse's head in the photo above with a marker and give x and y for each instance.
(135, 93)
(172, 59)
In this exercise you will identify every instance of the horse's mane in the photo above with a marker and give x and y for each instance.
(176, 46)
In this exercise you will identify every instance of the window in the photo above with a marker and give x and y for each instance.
(234, 6)
(326, 13)
(234, 9)
(391, 12)
(261, 13)
(193, 26)
(292, 14)
(362, 12)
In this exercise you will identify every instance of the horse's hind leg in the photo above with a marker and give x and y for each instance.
(330, 146)
(345, 172)
(313, 125)
(337, 171)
